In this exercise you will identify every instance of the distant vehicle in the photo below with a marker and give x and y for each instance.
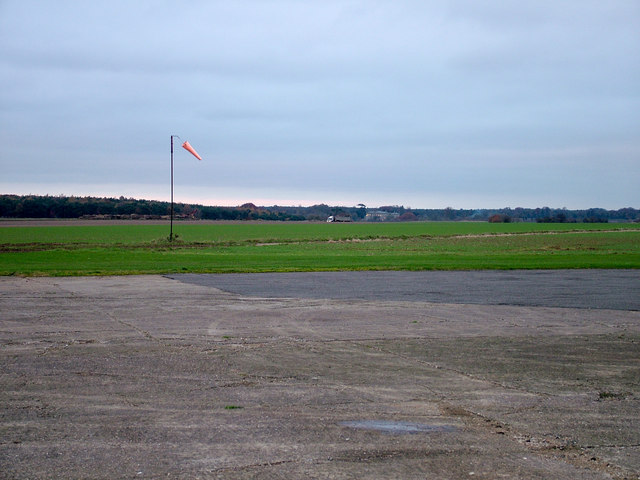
(339, 218)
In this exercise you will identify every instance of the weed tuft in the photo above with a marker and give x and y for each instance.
(605, 395)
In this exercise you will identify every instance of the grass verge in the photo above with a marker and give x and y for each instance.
(115, 250)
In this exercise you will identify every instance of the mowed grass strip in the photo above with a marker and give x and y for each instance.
(311, 251)
(238, 233)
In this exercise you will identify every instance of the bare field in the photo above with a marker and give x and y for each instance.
(44, 222)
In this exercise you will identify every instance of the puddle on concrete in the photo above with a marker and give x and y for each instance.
(398, 427)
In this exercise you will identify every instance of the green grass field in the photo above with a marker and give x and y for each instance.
(276, 247)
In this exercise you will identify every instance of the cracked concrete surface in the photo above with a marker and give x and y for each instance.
(149, 377)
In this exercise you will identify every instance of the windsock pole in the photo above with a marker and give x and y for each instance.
(171, 227)
(191, 150)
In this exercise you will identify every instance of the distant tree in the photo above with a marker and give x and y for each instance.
(449, 213)
(399, 209)
(499, 218)
(557, 218)
(34, 206)
(408, 217)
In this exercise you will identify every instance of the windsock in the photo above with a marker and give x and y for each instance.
(190, 149)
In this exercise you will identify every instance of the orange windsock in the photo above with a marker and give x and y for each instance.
(190, 149)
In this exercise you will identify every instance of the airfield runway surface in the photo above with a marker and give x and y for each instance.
(321, 376)
(609, 289)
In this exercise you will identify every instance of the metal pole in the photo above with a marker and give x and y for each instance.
(171, 228)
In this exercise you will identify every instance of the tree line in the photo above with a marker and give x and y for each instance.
(47, 206)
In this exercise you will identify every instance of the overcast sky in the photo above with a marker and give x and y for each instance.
(426, 104)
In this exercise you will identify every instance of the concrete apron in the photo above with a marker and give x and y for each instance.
(147, 377)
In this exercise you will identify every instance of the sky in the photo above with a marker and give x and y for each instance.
(426, 104)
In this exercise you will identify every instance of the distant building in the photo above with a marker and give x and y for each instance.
(381, 216)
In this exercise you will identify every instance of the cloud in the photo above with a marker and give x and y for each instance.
(400, 98)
